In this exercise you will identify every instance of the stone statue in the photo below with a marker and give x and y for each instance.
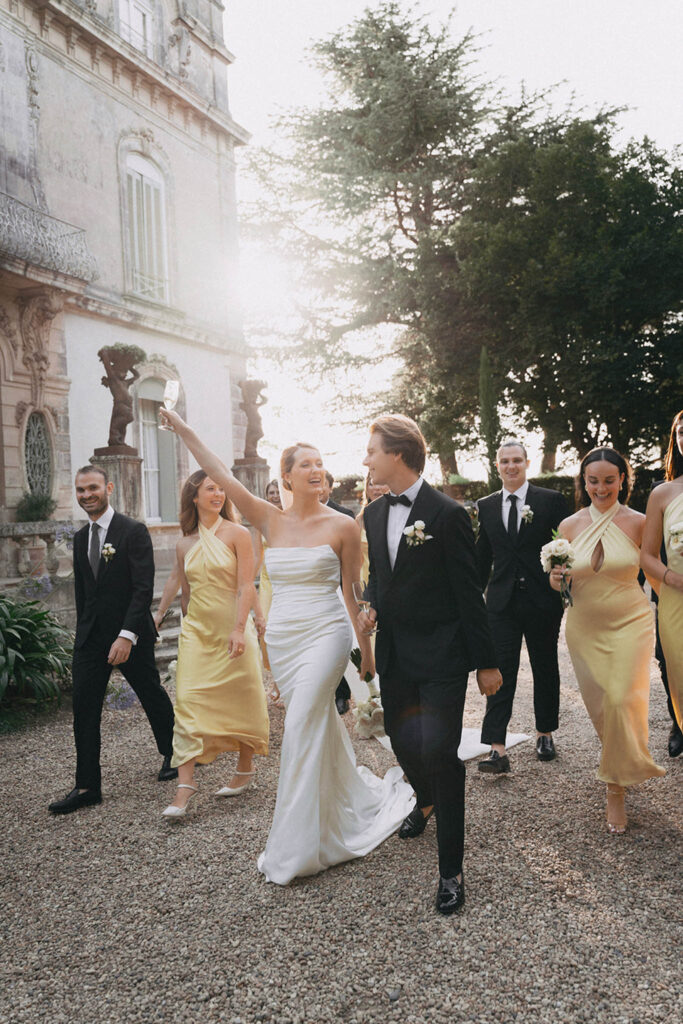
(119, 361)
(252, 399)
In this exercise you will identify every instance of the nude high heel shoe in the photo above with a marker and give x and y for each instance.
(172, 811)
(228, 791)
(616, 812)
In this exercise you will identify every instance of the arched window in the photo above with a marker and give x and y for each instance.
(38, 455)
(146, 223)
(160, 481)
(136, 24)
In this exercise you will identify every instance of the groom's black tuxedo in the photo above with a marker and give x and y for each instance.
(521, 603)
(432, 630)
(119, 599)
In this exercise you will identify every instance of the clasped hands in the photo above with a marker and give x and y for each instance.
(489, 680)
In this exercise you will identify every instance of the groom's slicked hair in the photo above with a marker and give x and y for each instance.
(402, 436)
(92, 469)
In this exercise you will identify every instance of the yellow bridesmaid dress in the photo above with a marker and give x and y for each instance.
(610, 635)
(670, 612)
(220, 701)
(365, 567)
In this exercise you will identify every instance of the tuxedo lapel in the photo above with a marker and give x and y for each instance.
(81, 546)
(379, 535)
(114, 535)
(498, 526)
(419, 510)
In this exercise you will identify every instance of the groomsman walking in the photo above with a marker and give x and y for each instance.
(432, 631)
(114, 584)
(514, 524)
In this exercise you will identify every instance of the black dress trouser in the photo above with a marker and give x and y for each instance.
(423, 720)
(91, 672)
(539, 627)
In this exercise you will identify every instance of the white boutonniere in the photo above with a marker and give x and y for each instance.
(415, 534)
(108, 552)
(527, 514)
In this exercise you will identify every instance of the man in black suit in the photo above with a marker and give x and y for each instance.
(114, 583)
(432, 631)
(514, 524)
(343, 692)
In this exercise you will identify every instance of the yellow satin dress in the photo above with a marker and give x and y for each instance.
(220, 701)
(365, 566)
(610, 635)
(670, 612)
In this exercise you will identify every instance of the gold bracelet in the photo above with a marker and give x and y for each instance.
(666, 572)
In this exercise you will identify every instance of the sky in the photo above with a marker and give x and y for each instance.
(609, 52)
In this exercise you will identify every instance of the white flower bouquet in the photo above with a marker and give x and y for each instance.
(559, 551)
(369, 714)
(676, 537)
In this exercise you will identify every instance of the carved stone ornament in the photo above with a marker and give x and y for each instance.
(119, 362)
(252, 400)
(37, 313)
(181, 38)
(8, 329)
(3, 62)
(20, 411)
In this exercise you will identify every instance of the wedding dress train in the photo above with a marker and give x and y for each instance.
(328, 810)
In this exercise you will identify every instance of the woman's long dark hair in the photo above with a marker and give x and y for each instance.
(189, 517)
(673, 460)
(603, 455)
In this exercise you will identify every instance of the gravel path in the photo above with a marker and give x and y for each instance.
(115, 916)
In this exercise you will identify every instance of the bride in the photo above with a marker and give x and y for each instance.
(327, 809)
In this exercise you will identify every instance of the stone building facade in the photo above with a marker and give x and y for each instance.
(117, 226)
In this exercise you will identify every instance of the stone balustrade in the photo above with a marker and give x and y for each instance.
(27, 233)
(18, 539)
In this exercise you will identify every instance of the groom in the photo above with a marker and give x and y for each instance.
(432, 631)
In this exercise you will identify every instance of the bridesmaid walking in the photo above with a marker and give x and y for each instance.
(610, 627)
(220, 701)
(664, 520)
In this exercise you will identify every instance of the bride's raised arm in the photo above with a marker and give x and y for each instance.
(257, 511)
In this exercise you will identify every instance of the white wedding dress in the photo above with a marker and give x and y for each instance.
(327, 810)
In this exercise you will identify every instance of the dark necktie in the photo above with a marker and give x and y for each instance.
(398, 499)
(512, 517)
(94, 549)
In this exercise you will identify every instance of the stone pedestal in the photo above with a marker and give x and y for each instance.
(254, 473)
(125, 472)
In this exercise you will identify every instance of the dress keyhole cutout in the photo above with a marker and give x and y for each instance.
(598, 557)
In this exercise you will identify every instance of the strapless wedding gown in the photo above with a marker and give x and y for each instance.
(328, 810)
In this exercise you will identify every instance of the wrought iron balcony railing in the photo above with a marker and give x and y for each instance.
(29, 234)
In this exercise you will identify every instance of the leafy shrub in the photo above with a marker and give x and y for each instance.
(35, 651)
(35, 508)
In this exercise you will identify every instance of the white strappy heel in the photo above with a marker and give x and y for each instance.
(234, 791)
(173, 811)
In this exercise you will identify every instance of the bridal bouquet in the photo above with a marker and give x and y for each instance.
(676, 537)
(559, 551)
(369, 714)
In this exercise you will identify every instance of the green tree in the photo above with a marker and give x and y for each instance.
(488, 416)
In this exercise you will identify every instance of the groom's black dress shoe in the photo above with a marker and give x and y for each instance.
(494, 764)
(166, 772)
(675, 741)
(342, 705)
(450, 895)
(545, 748)
(414, 825)
(75, 800)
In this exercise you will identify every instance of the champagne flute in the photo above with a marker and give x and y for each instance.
(360, 593)
(171, 395)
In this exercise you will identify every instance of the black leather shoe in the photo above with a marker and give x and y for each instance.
(494, 764)
(675, 741)
(545, 748)
(414, 825)
(342, 705)
(166, 773)
(450, 895)
(75, 800)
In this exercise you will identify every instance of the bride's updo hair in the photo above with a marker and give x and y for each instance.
(604, 455)
(189, 517)
(288, 458)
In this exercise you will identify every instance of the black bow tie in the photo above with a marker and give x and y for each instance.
(398, 499)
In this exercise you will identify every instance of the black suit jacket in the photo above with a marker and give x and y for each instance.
(521, 557)
(431, 617)
(121, 596)
(340, 508)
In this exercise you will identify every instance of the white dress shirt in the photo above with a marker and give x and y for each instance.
(397, 519)
(520, 494)
(104, 522)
